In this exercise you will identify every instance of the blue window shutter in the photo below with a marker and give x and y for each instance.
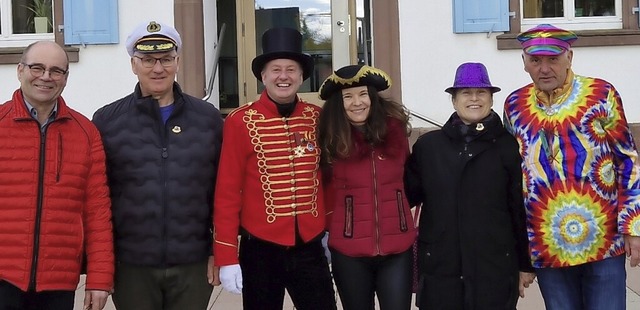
(480, 15)
(90, 22)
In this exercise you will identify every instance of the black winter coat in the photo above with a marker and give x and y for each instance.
(472, 234)
(162, 177)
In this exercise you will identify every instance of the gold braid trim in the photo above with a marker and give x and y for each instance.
(227, 244)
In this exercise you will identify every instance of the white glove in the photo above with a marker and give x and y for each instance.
(231, 278)
(325, 245)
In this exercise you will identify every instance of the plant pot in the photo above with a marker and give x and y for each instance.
(41, 24)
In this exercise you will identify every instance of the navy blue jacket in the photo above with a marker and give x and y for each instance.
(162, 177)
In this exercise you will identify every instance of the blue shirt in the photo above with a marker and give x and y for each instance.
(166, 111)
(34, 113)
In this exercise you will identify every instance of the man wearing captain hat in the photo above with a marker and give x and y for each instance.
(162, 148)
(270, 188)
(582, 177)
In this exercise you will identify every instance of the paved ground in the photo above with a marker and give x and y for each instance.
(533, 300)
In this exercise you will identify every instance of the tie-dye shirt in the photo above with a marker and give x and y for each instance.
(580, 172)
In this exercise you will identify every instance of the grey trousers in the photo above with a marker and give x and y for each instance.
(175, 288)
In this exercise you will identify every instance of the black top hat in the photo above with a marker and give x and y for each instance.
(278, 43)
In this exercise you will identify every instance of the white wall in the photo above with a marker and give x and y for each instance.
(103, 73)
(210, 20)
(431, 52)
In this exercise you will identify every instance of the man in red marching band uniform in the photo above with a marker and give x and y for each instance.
(269, 189)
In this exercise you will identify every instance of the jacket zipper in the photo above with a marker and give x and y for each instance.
(36, 233)
(164, 154)
(375, 201)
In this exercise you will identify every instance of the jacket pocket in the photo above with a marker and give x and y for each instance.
(401, 215)
(348, 216)
(59, 158)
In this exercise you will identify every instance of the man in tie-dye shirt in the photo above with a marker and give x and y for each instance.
(581, 176)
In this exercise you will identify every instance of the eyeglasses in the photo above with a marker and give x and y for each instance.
(150, 62)
(38, 70)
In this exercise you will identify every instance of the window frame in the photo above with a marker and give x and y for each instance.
(628, 35)
(570, 22)
(21, 39)
(11, 55)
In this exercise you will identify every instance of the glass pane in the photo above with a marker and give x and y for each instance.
(364, 31)
(313, 19)
(543, 8)
(595, 8)
(32, 16)
(228, 61)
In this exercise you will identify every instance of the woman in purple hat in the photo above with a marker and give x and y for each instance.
(472, 249)
(364, 146)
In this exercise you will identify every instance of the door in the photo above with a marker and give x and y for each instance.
(329, 31)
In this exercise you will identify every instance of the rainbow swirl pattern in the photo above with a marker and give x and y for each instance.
(580, 172)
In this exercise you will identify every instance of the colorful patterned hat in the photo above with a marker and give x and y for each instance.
(546, 40)
(353, 76)
(472, 75)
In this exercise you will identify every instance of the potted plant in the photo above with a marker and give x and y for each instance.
(42, 12)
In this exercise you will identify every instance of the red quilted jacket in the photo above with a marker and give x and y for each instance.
(368, 211)
(54, 199)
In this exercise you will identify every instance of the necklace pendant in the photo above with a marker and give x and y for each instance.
(550, 111)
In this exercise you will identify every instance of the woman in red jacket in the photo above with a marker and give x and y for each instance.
(363, 140)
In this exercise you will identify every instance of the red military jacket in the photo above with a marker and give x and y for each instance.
(268, 177)
(53, 198)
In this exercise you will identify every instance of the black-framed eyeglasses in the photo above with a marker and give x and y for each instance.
(38, 70)
(149, 62)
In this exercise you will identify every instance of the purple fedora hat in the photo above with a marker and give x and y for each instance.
(472, 75)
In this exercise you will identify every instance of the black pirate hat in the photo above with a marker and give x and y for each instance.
(353, 76)
(278, 43)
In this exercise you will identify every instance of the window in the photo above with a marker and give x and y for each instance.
(25, 21)
(573, 14)
(592, 24)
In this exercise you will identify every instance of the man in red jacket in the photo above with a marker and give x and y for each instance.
(54, 199)
(269, 188)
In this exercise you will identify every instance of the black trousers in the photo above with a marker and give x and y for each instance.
(12, 298)
(390, 277)
(268, 269)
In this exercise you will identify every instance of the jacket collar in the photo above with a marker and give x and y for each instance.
(20, 111)
(150, 106)
(488, 129)
(550, 99)
(393, 140)
(272, 107)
